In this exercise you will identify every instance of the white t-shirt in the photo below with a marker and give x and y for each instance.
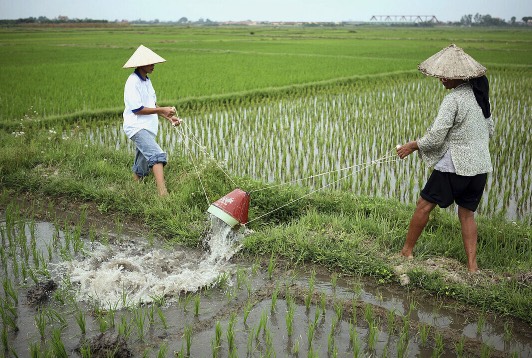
(139, 93)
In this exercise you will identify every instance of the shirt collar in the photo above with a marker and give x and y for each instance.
(138, 74)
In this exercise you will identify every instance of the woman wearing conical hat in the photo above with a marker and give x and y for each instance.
(456, 145)
(141, 120)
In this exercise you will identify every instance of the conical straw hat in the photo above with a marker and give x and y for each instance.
(452, 63)
(143, 56)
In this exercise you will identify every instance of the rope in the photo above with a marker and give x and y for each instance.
(202, 148)
(376, 161)
(385, 159)
(196, 168)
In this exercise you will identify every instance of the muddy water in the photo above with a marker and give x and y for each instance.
(207, 303)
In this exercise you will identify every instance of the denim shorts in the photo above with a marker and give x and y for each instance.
(148, 153)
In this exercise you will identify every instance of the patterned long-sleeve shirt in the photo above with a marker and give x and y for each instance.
(460, 128)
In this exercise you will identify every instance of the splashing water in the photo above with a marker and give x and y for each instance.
(130, 272)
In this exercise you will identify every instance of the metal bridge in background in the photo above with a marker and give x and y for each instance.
(403, 19)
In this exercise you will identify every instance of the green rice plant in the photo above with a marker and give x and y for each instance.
(35, 350)
(372, 336)
(9, 291)
(390, 317)
(5, 339)
(402, 344)
(231, 332)
(323, 302)
(354, 340)
(250, 344)
(424, 330)
(241, 277)
(485, 350)
(263, 322)
(124, 328)
(163, 351)
(139, 317)
(247, 310)
(311, 330)
(162, 317)
(289, 318)
(354, 311)
(507, 336)
(151, 314)
(217, 341)
(481, 322)
(57, 344)
(438, 344)
(339, 310)
(81, 321)
(41, 323)
(275, 293)
(271, 266)
(295, 347)
(369, 314)
(188, 339)
(197, 301)
(459, 347)
(103, 325)
(334, 280)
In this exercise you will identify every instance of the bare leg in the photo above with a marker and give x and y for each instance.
(469, 236)
(159, 179)
(417, 224)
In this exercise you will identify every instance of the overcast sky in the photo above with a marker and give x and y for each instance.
(260, 10)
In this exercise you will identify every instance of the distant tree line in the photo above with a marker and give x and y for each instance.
(45, 20)
(488, 20)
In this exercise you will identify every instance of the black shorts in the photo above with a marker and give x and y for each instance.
(445, 188)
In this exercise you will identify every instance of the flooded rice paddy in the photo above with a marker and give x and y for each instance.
(332, 140)
(121, 292)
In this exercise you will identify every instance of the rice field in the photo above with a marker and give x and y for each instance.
(289, 111)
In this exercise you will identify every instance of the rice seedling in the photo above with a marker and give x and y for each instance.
(373, 333)
(163, 351)
(262, 324)
(231, 332)
(81, 321)
(507, 336)
(247, 310)
(217, 341)
(57, 344)
(354, 340)
(459, 347)
(271, 266)
(103, 325)
(241, 277)
(424, 330)
(369, 314)
(481, 322)
(35, 350)
(402, 345)
(334, 280)
(197, 301)
(339, 310)
(485, 350)
(124, 328)
(295, 347)
(438, 344)
(311, 330)
(188, 339)
(390, 317)
(139, 317)
(289, 318)
(4, 338)
(275, 293)
(162, 317)
(41, 323)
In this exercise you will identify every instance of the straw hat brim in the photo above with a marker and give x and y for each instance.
(143, 56)
(452, 63)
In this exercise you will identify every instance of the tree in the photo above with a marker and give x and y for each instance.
(466, 20)
(182, 20)
(526, 19)
(512, 20)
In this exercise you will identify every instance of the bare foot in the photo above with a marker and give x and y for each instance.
(407, 256)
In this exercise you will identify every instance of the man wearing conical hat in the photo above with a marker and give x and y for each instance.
(456, 145)
(141, 117)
